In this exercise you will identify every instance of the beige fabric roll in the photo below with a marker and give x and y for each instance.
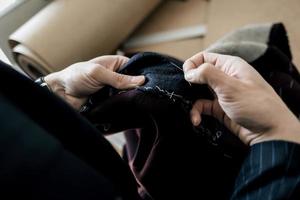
(69, 31)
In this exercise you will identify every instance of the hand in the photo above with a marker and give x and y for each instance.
(75, 83)
(244, 102)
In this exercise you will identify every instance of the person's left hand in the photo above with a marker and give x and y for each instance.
(75, 83)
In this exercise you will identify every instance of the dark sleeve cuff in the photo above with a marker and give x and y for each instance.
(271, 171)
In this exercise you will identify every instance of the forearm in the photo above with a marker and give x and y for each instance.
(271, 171)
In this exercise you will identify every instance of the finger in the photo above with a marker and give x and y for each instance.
(205, 57)
(111, 62)
(212, 108)
(209, 107)
(195, 116)
(209, 74)
(119, 81)
(193, 62)
(201, 106)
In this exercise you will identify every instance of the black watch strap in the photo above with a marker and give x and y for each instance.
(41, 81)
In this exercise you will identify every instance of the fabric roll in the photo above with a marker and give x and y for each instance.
(69, 31)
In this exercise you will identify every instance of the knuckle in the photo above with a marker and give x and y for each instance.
(205, 69)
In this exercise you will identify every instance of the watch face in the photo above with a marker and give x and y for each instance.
(42, 83)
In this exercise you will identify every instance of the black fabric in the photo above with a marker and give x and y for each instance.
(164, 80)
(34, 165)
(166, 143)
(75, 134)
(282, 75)
(171, 154)
(172, 160)
(278, 38)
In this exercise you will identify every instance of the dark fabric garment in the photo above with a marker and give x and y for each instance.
(162, 142)
(34, 165)
(282, 75)
(168, 145)
(278, 38)
(172, 159)
(270, 171)
(72, 140)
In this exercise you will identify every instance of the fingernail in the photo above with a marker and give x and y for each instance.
(195, 120)
(189, 75)
(138, 79)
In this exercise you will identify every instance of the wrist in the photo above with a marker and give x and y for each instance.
(41, 82)
(54, 83)
(286, 131)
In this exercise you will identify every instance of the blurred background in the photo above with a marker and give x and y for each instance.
(179, 28)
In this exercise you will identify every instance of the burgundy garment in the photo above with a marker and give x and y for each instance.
(166, 153)
(169, 157)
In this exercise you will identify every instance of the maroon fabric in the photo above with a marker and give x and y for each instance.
(169, 157)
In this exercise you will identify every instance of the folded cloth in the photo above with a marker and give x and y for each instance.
(172, 155)
(169, 157)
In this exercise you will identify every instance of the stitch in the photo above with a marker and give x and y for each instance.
(186, 104)
(211, 138)
(219, 134)
(168, 93)
(214, 138)
(159, 88)
(215, 144)
(104, 127)
(171, 95)
(148, 88)
(122, 91)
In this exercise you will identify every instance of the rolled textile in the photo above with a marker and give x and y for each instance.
(69, 31)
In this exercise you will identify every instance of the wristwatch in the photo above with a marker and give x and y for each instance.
(41, 81)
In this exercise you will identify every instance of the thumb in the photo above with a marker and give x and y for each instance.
(209, 74)
(122, 81)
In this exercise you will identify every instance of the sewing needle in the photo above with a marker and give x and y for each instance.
(179, 69)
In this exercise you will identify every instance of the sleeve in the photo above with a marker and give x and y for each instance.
(271, 171)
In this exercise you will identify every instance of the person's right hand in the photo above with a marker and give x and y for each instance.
(244, 102)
